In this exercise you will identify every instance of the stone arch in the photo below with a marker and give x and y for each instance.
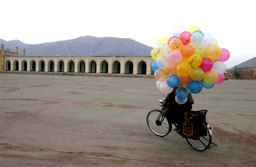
(24, 65)
(32, 66)
(128, 67)
(104, 67)
(41, 65)
(8, 65)
(116, 67)
(81, 66)
(15, 65)
(71, 66)
(142, 67)
(51, 66)
(92, 66)
(60, 66)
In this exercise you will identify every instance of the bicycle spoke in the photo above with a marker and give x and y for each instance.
(202, 142)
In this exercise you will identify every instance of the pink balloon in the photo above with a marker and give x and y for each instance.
(175, 56)
(221, 79)
(206, 64)
(185, 37)
(225, 55)
(169, 40)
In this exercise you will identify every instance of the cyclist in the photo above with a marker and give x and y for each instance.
(174, 112)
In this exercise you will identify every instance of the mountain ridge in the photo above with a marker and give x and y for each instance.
(82, 46)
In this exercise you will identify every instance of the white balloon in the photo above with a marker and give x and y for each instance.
(161, 63)
(164, 88)
(219, 67)
(163, 48)
(209, 41)
(158, 83)
(196, 39)
(181, 101)
(178, 30)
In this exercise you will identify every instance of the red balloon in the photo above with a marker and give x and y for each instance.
(206, 64)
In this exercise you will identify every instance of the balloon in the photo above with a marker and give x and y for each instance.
(176, 44)
(196, 60)
(207, 86)
(181, 101)
(158, 83)
(219, 67)
(185, 37)
(185, 80)
(198, 31)
(160, 40)
(181, 93)
(154, 66)
(169, 40)
(173, 81)
(225, 55)
(196, 39)
(197, 74)
(200, 50)
(209, 42)
(163, 48)
(210, 77)
(164, 88)
(175, 56)
(171, 68)
(161, 63)
(195, 87)
(214, 52)
(221, 79)
(158, 75)
(155, 54)
(206, 64)
(193, 28)
(187, 51)
(183, 69)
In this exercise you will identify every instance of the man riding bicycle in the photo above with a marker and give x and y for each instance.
(174, 112)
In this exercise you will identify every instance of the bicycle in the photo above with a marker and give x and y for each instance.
(198, 134)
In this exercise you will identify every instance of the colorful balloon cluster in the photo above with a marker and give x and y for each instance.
(190, 61)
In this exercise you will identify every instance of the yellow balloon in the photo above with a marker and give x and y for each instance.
(193, 28)
(163, 39)
(197, 74)
(176, 44)
(214, 52)
(200, 50)
(196, 60)
(183, 69)
(155, 53)
(210, 77)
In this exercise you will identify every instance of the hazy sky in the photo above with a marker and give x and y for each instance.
(232, 22)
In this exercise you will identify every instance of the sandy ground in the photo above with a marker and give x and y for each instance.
(96, 121)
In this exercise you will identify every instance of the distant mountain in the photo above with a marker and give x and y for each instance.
(82, 46)
(248, 63)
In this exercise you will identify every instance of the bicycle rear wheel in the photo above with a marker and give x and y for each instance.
(204, 141)
(158, 124)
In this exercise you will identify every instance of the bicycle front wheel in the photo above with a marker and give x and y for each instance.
(204, 141)
(158, 124)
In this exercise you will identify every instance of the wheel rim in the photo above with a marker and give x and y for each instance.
(203, 142)
(157, 123)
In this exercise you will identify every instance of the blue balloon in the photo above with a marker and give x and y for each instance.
(181, 93)
(195, 87)
(207, 86)
(154, 66)
(198, 31)
(173, 81)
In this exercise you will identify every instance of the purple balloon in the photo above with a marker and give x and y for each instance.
(221, 79)
(225, 55)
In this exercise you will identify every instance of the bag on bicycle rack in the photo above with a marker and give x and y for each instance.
(193, 127)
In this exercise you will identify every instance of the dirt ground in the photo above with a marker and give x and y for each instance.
(64, 121)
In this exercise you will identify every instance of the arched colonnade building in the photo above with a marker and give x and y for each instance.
(81, 64)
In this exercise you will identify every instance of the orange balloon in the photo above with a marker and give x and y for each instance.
(214, 52)
(185, 80)
(187, 51)
(171, 68)
(176, 44)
